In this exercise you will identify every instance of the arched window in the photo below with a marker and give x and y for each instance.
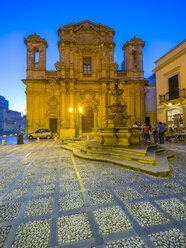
(36, 58)
(134, 55)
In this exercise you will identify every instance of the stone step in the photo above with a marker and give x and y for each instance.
(139, 159)
(97, 147)
(146, 155)
(160, 169)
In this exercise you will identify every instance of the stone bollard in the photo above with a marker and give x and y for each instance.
(10, 135)
(55, 139)
(3, 142)
(37, 139)
(15, 134)
(4, 136)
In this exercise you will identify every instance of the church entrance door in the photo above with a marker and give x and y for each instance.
(87, 120)
(53, 125)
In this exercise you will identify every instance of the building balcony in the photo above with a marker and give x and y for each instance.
(172, 95)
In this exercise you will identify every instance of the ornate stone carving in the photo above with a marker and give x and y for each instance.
(35, 38)
(72, 84)
(53, 105)
(58, 66)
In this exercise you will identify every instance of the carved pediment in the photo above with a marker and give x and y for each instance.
(85, 32)
(86, 25)
(87, 36)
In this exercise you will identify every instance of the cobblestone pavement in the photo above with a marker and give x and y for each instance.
(48, 198)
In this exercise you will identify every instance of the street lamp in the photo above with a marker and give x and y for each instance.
(70, 110)
(77, 113)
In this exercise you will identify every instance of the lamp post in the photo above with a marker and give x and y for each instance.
(77, 116)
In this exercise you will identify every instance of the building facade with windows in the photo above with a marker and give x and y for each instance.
(10, 120)
(171, 84)
(4, 104)
(73, 99)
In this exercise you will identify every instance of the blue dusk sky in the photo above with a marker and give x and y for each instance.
(162, 24)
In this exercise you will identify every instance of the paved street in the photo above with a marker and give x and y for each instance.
(48, 198)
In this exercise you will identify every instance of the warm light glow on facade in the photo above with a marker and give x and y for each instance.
(80, 110)
(70, 110)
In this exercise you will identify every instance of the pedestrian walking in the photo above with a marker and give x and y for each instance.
(143, 127)
(161, 130)
(155, 132)
(146, 132)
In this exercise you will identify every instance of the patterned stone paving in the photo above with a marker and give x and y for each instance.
(100, 196)
(133, 242)
(49, 199)
(4, 232)
(172, 238)
(73, 228)
(174, 207)
(146, 214)
(70, 201)
(32, 234)
(9, 211)
(127, 193)
(39, 207)
(111, 220)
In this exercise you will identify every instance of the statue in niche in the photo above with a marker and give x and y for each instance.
(53, 105)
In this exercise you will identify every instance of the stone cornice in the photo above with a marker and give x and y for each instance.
(34, 38)
(134, 42)
(85, 25)
(177, 55)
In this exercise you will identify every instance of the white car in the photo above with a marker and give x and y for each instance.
(41, 133)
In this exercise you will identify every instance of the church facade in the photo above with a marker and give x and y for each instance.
(73, 99)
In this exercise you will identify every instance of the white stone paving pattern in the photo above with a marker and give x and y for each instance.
(48, 198)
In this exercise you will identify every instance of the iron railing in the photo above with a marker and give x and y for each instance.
(171, 95)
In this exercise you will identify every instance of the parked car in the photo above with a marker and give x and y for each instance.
(41, 133)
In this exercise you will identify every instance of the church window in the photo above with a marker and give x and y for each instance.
(87, 64)
(36, 58)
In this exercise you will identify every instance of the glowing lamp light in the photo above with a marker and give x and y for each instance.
(70, 110)
(170, 104)
(80, 110)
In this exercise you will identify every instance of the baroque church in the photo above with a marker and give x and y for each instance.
(73, 99)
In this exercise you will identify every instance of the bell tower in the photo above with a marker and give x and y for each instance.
(133, 58)
(36, 56)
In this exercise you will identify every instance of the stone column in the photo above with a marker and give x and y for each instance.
(35, 110)
(138, 105)
(132, 106)
(103, 104)
(71, 91)
(62, 106)
(95, 118)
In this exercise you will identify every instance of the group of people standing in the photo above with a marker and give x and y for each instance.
(154, 133)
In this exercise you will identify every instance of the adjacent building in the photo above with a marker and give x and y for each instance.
(73, 99)
(150, 100)
(10, 121)
(3, 103)
(171, 84)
